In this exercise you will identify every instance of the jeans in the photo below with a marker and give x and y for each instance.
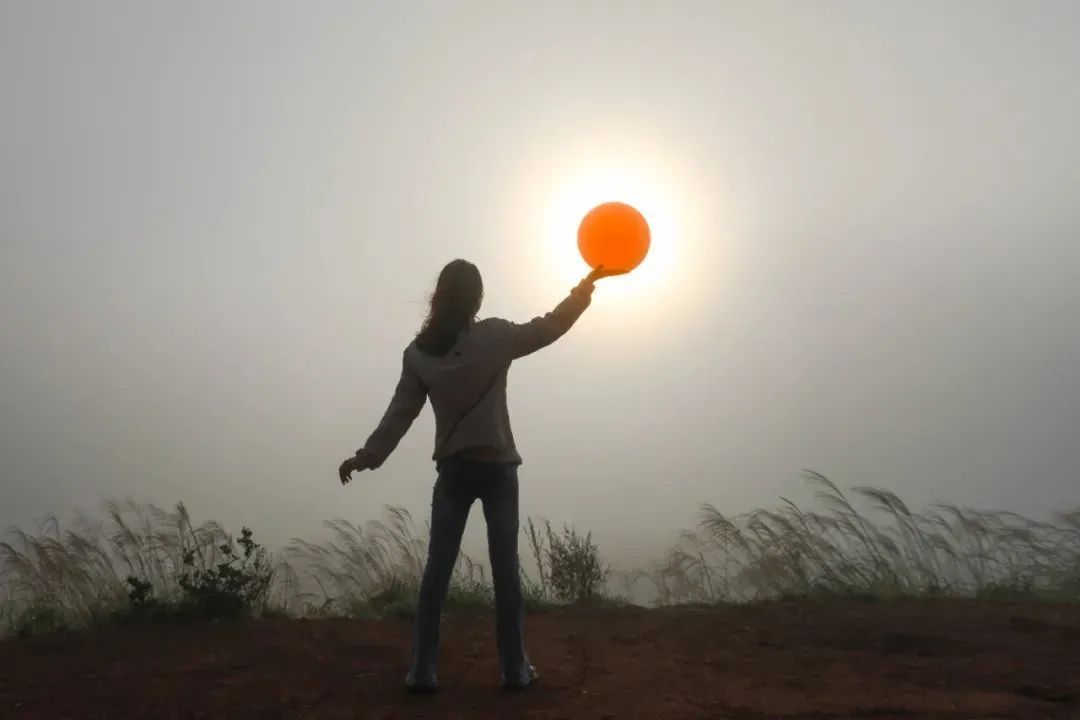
(460, 482)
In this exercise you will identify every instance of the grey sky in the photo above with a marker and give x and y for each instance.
(219, 223)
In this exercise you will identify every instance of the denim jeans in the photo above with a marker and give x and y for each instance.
(461, 482)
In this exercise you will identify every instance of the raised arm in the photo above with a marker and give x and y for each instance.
(540, 332)
(526, 338)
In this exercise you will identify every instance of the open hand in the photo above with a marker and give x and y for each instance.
(355, 463)
(601, 272)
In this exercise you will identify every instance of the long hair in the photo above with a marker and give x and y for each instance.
(454, 304)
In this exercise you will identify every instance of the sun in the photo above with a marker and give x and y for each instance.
(583, 189)
(694, 245)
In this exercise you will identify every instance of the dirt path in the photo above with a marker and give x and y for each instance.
(840, 660)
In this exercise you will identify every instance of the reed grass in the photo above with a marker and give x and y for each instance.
(868, 543)
(865, 542)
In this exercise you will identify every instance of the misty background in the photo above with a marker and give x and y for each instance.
(219, 223)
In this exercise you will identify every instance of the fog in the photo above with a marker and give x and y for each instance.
(219, 223)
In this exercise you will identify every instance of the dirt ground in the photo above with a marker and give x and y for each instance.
(947, 659)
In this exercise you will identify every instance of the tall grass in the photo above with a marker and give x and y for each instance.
(865, 542)
(882, 550)
(375, 569)
(77, 576)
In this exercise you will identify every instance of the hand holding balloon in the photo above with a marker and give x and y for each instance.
(600, 272)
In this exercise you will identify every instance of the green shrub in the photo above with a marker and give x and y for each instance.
(236, 586)
(569, 565)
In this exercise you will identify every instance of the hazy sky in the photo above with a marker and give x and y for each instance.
(219, 223)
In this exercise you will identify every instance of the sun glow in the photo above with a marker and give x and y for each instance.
(581, 191)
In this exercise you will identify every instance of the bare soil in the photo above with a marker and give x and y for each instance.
(948, 659)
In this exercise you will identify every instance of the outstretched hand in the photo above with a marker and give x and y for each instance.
(601, 272)
(355, 463)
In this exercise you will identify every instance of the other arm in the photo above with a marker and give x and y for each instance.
(409, 398)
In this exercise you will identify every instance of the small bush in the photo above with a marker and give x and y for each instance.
(142, 604)
(236, 587)
(569, 565)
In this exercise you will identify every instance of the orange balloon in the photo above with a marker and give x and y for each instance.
(614, 235)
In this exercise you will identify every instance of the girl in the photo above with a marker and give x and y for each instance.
(461, 364)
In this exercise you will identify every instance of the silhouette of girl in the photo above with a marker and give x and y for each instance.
(461, 363)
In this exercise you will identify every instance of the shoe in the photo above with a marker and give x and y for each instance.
(425, 686)
(527, 679)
